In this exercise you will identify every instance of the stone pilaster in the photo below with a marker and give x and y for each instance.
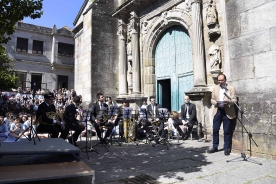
(122, 58)
(54, 48)
(198, 47)
(134, 22)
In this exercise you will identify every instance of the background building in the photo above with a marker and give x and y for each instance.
(44, 56)
(134, 49)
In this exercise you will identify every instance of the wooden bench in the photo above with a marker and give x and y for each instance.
(40, 172)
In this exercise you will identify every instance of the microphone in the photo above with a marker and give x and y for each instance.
(224, 87)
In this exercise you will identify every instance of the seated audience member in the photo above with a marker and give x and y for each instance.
(16, 128)
(3, 127)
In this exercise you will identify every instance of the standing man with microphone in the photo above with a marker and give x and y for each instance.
(224, 111)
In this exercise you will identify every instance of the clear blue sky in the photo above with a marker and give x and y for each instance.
(58, 12)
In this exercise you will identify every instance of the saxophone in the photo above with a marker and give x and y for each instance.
(102, 118)
(51, 115)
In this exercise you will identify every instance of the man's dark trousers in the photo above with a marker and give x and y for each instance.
(218, 118)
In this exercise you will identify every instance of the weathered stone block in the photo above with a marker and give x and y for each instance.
(150, 79)
(272, 32)
(265, 64)
(250, 44)
(242, 68)
(258, 19)
(234, 27)
(233, 8)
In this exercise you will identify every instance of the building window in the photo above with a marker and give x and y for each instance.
(37, 47)
(21, 80)
(22, 45)
(65, 49)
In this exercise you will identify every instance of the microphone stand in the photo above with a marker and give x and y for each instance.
(86, 147)
(243, 155)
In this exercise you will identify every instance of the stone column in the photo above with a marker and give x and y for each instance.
(122, 58)
(54, 49)
(134, 22)
(198, 48)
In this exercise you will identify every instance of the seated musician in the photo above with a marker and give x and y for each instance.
(97, 107)
(152, 109)
(188, 118)
(69, 117)
(46, 124)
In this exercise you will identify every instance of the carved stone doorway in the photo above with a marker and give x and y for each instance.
(173, 61)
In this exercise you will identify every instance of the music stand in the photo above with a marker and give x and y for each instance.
(86, 115)
(143, 113)
(112, 112)
(243, 155)
(163, 115)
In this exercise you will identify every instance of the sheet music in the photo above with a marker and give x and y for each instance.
(163, 113)
(112, 111)
(143, 113)
(127, 112)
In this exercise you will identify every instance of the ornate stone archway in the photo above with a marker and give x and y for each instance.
(190, 19)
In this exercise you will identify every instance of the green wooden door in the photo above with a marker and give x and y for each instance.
(173, 61)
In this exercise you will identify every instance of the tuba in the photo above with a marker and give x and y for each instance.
(50, 115)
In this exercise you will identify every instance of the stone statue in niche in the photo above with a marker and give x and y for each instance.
(129, 74)
(129, 49)
(215, 58)
(212, 19)
(211, 14)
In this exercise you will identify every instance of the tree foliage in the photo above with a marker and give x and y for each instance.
(7, 73)
(13, 11)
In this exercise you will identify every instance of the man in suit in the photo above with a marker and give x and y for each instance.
(224, 111)
(153, 113)
(188, 118)
(97, 109)
(69, 117)
(51, 126)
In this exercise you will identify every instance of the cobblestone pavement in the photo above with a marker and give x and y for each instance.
(186, 162)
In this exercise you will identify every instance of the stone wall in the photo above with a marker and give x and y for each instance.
(251, 26)
(104, 49)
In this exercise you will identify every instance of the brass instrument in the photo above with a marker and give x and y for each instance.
(102, 117)
(155, 122)
(50, 115)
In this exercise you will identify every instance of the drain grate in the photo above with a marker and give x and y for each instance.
(145, 179)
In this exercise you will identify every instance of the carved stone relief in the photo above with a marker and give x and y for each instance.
(129, 30)
(215, 57)
(212, 19)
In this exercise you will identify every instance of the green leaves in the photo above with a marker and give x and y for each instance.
(7, 73)
(13, 11)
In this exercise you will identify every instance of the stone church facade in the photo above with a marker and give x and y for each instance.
(135, 49)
